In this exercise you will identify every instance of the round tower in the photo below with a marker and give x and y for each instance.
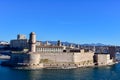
(32, 42)
(59, 43)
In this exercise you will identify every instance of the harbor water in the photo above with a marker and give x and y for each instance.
(91, 73)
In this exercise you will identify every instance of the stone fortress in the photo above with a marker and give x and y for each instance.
(36, 55)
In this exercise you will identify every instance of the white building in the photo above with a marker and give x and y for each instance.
(21, 36)
(4, 43)
(49, 49)
(21, 42)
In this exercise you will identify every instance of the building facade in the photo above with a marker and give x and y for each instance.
(19, 43)
(49, 49)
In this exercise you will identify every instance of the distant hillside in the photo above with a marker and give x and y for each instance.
(95, 44)
(68, 43)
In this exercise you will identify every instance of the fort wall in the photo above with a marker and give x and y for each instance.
(26, 59)
(57, 57)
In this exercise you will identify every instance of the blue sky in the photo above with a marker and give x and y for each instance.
(79, 21)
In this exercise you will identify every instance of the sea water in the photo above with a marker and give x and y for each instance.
(91, 73)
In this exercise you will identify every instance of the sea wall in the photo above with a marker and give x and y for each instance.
(67, 60)
(103, 59)
(52, 60)
(25, 58)
(83, 57)
(57, 57)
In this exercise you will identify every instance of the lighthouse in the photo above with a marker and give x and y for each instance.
(32, 42)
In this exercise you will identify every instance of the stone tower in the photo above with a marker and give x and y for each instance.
(112, 51)
(59, 43)
(32, 42)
